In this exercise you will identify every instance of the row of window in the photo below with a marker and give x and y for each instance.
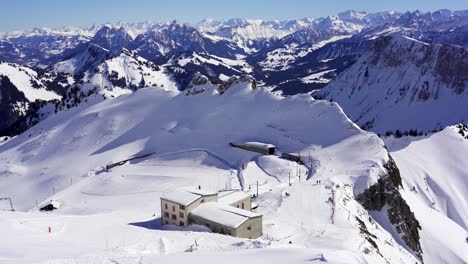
(174, 217)
(242, 206)
(181, 207)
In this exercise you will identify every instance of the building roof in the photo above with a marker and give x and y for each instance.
(222, 214)
(202, 192)
(260, 144)
(181, 197)
(186, 196)
(232, 196)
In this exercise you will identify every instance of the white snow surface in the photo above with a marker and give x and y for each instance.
(403, 84)
(281, 58)
(21, 77)
(133, 70)
(224, 214)
(114, 216)
(436, 167)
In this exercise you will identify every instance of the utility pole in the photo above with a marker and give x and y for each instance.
(257, 188)
(290, 179)
(297, 169)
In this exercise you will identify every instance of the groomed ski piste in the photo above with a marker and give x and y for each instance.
(114, 216)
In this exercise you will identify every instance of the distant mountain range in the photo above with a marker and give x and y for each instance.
(288, 57)
(328, 93)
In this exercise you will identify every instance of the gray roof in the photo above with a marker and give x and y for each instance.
(181, 197)
(225, 215)
(232, 196)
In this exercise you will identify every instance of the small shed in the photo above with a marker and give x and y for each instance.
(263, 148)
(52, 205)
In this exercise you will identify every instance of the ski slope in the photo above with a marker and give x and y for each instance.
(114, 216)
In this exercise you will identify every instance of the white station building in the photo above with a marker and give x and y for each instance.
(227, 212)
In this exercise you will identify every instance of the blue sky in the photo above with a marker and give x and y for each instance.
(26, 14)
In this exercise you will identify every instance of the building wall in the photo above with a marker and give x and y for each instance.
(204, 199)
(252, 228)
(181, 215)
(247, 204)
(173, 209)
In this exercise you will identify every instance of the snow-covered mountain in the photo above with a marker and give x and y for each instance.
(178, 94)
(115, 74)
(404, 84)
(20, 88)
(290, 57)
(347, 160)
(41, 47)
(433, 171)
(279, 53)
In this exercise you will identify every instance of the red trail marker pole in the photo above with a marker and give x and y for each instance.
(50, 230)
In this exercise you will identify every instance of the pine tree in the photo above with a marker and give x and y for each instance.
(398, 134)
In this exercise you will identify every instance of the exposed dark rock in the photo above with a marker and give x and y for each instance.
(385, 192)
(236, 80)
(463, 130)
(198, 79)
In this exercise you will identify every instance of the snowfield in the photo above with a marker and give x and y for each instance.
(113, 216)
(402, 83)
(435, 166)
(144, 110)
(22, 78)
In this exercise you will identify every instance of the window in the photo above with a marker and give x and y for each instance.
(181, 223)
(182, 207)
(203, 200)
(173, 208)
(165, 205)
(181, 215)
(167, 222)
(237, 206)
(166, 214)
(249, 228)
(242, 205)
(174, 217)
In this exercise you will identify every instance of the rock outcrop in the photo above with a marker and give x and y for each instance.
(245, 78)
(385, 194)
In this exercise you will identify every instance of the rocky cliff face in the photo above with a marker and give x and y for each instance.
(384, 195)
(13, 103)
